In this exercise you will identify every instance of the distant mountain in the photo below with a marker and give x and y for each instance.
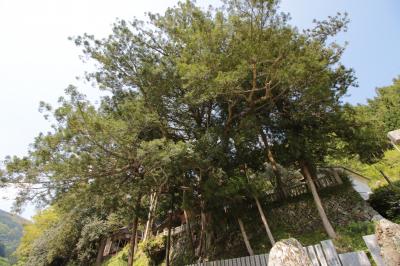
(11, 230)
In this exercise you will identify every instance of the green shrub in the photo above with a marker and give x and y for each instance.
(386, 201)
(154, 249)
(121, 258)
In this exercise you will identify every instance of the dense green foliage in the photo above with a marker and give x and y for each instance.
(121, 259)
(202, 106)
(386, 200)
(34, 231)
(383, 115)
(154, 249)
(385, 107)
(389, 164)
(11, 227)
(48, 239)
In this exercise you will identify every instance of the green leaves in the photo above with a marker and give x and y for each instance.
(190, 93)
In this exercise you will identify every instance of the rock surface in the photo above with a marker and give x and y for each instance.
(288, 252)
(388, 236)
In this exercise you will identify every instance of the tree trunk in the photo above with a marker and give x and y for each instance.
(133, 241)
(168, 248)
(264, 220)
(134, 232)
(386, 177)
(245, 238)
(189, 230)
(188, 226)
(99, 258)
(325, 221)
(200, 250)
(150, 216)
(271, 159)
(136, 241)
(146, 230)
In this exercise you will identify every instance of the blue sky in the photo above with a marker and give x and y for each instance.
(37, 62)
(373, 36)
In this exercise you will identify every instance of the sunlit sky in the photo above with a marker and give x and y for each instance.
(37, 62)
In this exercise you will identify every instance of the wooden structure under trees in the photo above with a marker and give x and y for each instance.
(302, 188)
(323, 181)
(115, 242)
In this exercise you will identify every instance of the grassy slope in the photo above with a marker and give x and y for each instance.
(389, 164)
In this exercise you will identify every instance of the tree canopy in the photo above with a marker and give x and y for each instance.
(211, 103)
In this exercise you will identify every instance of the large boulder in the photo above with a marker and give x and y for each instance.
(288, 252)
(388, 236)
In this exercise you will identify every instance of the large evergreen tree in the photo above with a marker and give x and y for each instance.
(199, 99)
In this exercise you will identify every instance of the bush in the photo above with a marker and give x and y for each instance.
(121, 258)
(154, 249)
(386, 201)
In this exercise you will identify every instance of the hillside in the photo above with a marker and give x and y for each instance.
(11, 230)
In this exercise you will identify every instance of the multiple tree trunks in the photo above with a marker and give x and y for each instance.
(150, 217)
(134, 233)
(202, 243)
(306, 173)
(133, 241)
(189, 231)
(176, 109)
(201, 249)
